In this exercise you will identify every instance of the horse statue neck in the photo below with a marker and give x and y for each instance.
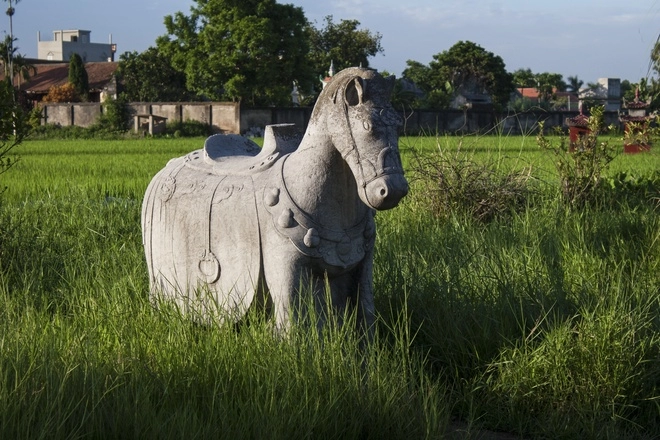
(321, 183)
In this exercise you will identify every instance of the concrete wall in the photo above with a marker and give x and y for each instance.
(228, 117)
(223, 117)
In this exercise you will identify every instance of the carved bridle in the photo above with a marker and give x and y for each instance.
(369, 115)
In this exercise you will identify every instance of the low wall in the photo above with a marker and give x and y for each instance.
(429, 122)
(473, 121)
(229, 117)
(223, 117)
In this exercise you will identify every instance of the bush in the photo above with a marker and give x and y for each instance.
(64, 93)
(457, 182)
(188, 129)
(116, 115)
(580, 164)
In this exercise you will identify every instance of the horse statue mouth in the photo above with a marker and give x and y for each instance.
(386, 191)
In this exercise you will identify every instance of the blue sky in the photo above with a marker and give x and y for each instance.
(589, 38)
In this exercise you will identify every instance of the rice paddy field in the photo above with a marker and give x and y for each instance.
(541, 324)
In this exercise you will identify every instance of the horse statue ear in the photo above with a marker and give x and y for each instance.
(354, 91)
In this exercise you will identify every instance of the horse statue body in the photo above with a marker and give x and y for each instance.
(233, 225)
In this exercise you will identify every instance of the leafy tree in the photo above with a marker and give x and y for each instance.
(341, 43)
(436, 95)
(524, 78)
(465, 67)
(628, 90)
(20, 66)
(548, 84)
(249, 50)
(149, 76)
(78, 76)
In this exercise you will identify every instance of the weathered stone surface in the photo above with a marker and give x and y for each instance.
(232, 222)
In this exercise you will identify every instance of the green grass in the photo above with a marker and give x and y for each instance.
(544, 323)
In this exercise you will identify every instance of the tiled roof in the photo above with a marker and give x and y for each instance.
(578, 121)
(628, 118)
(57, 74)
(635, 104)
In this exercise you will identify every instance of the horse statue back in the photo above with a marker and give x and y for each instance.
(233, 224)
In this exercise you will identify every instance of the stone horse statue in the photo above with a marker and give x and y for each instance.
(233, 224)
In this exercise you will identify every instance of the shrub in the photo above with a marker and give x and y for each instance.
(78, 76)
(64, 93)
(580, 164)
(460, 183)
(116, 114)
(188, 129)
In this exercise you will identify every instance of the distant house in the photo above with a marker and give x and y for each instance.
(67, 42)
(471, 95)
(607, 92)
(533, 95)
(101, 76)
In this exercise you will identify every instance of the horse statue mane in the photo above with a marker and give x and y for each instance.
(232, 224)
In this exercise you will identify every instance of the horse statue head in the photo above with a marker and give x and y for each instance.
(355, 110)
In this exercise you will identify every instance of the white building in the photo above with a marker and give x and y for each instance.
(67, 42)
(607, 93)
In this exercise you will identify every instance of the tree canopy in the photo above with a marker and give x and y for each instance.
(343, 44)
(149, 76)
(78, 76)
(524, 78)
(465, 68)
(21, 67)
(247, 50)
(653, 82)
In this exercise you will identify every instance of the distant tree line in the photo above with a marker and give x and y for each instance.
(256, 51)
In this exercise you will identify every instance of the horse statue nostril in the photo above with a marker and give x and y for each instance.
(383, 192)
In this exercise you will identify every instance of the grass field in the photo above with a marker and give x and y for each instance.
(545, 323)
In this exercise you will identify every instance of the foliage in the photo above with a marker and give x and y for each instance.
(580, 164)
(341, 43)
(422, 76)
(574, 83)
(465, 68)
(150, 77)
(451, 182)
(628, 90)
(248, 51)
(78, 76)
(20, 65)
(652, 83)
(641, 133)
(116, 114)
(188, 129)
(548, 83)
(13, 127)
(524, 78)
(64, 93)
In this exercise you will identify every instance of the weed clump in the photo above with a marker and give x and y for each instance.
(456, 182)
(581, 163)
